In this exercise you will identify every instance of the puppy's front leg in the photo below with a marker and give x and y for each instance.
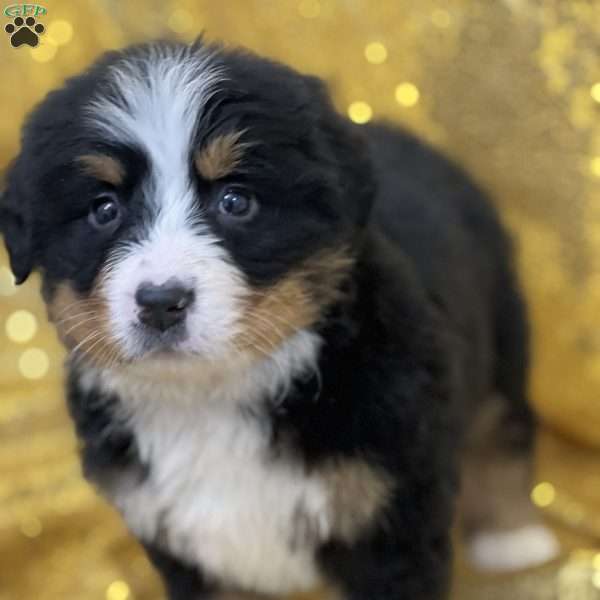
(392, 569)
(389, 536)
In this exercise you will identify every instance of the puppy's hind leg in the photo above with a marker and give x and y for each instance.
(502, 528)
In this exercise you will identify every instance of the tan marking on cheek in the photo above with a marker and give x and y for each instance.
(103, 167)
(82, 324)
(297, 301)
(220, 156)
(359, 492)
(273, 316)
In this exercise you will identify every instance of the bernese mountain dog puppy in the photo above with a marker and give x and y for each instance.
(287, 334)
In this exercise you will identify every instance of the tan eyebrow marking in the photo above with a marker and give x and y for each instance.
(103, 167)
(220, 156)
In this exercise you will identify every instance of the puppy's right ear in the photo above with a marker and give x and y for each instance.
(16, 223)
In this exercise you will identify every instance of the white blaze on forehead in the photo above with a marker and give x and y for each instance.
(159, 97)
(154, 101)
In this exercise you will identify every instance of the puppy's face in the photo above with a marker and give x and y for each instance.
(185, 201)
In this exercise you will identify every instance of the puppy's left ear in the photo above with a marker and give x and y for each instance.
(16, 224)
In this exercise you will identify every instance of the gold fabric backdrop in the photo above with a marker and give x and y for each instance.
(509, 88)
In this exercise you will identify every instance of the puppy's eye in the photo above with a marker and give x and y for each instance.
(105, 212)
(238, 204)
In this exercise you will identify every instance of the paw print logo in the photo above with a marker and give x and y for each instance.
(24, 31)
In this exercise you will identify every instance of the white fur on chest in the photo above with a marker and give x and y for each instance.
(217, 497)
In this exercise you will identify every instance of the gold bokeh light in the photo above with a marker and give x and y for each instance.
(118, 590)
(34, 363)
(360, 112)
(21, 326)
(376, 53)
(407, 94)
(543, 494)
(60, 31)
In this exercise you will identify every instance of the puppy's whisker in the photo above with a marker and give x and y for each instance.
(73, 317)
(285, 328)
(256, 315)
(80, 324)
(109, 356)
(93, 335)
(270, 344)
(83, 302)
(270, 356)
(101, 340)
(249, 343)
(266, 317)
(105, 353)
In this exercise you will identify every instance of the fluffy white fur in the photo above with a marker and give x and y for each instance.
(225, 501)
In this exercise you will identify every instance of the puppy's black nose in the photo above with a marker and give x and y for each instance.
(163, 305)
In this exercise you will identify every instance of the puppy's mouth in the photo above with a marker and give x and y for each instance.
(151, 341)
